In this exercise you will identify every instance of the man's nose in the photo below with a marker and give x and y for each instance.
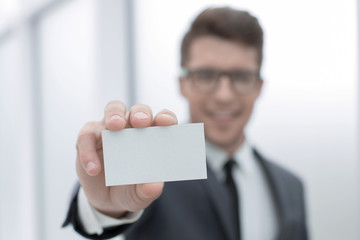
(224, 91)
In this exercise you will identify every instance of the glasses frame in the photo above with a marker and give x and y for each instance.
(187, 74)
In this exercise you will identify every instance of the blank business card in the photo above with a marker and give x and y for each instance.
(154, 154)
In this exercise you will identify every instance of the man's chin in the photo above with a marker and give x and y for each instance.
(225, 142)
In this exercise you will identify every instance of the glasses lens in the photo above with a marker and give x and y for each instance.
(244, 81)
(205, 79)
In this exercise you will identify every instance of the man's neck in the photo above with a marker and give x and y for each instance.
(232, 147)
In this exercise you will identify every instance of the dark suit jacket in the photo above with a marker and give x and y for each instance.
(200, 210)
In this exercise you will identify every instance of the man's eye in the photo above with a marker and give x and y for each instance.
(206, 75)
(242, 77)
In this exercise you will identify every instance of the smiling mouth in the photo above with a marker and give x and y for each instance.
(224, 117)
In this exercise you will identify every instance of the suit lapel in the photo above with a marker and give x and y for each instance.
(221, 203)
(218, 197)
(277, 191)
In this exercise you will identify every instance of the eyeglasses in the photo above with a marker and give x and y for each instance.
(206, 80)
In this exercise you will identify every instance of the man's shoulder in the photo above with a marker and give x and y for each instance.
(278, 172)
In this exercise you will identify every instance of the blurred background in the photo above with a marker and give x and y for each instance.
(61, 61)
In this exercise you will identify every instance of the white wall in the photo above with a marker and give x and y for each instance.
(60, 62)
(306, 117)
(16, 143)
(82, 62)
(69, 99)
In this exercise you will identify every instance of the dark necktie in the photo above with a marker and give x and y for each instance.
(230, 183)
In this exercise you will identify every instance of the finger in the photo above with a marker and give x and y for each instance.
(165, 118)
(144, 195)
(87, 148)
(115, 115)
(149, 191)
(140, 116)
(133, 198)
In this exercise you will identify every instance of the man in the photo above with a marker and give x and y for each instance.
(244, 197)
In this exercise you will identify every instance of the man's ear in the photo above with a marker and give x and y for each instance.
(259, 87)
(182, 86)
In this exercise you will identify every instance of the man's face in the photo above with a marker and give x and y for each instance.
(223, 111)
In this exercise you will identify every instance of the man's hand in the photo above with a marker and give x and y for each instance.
(115, 201)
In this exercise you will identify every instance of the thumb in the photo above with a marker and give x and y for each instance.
(149, 191)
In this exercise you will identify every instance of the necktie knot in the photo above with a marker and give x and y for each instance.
(230, 163)
(228, 167)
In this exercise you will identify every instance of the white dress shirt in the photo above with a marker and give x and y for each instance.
(94, 221)
(258, 217)
(257, 210)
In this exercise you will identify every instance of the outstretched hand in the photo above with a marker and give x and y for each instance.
(115, 201)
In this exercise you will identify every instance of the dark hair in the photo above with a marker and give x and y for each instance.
(226, 23)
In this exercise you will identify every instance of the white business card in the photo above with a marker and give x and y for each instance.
(154, 154)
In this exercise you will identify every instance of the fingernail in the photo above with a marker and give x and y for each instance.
(116, 117)
(141, 115)
(167, 116)
(90, 167)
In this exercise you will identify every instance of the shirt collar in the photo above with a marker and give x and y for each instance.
(217, 158)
